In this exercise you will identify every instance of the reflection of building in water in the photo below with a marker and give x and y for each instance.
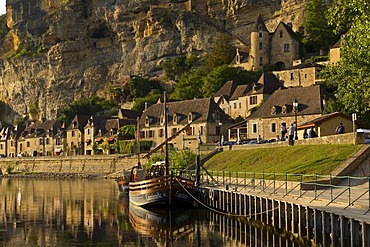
(27, 201)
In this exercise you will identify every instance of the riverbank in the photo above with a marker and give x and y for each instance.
(68, 166)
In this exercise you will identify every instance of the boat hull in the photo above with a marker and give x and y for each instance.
(165, 190)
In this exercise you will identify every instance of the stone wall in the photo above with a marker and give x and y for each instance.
(103, 165)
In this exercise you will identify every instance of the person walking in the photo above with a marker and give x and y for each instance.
(283, 131)
(291, 131)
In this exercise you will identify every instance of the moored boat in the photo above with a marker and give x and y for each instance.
(159, 186)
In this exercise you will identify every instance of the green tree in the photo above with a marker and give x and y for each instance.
(318, 34)
(91, 106)
(175, 68)
(220, 75)
(351, 74)
(223, 51)
(141, 86)
(181, 159)
(151, 98)
(190, 85)
(128, 131)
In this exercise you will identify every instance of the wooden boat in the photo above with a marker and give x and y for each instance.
(159, 186)
(163, 225)
(123, 182)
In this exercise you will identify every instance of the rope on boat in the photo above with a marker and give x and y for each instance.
(221, 212)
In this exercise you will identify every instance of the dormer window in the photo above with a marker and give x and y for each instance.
(146, 121)
(284, 109)
(273, 110)
(161, 120)
(190, 117)
(74, 125)
(175, 118)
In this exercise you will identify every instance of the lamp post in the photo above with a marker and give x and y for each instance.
(295, 106)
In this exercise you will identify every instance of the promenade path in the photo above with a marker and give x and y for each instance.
(352, 202)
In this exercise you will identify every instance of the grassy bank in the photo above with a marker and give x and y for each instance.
(308, 159)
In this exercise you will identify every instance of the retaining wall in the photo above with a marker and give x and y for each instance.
(97, 164)
(322, 227)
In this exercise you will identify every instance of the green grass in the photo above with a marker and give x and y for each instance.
(308, 159)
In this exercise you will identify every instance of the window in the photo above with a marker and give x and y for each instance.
(261, 61)
(235, 106)
(174, 130)
(260, 46)
(240, 105)
(260, 34)
(58, 141)
(47, 141)
(73, 133)
(1, 146)
(281, 34)
(218, 130)
(11, 143)
(28, 144)
(291, 76)
(41, 142)
(201, 130)
(146, 121)
(88, 131)
(305, 76)
(190, 117)
(21, 147)
(273, 127)
(174, 118)
(254, 128)
(286, 47)
(253, 100)
(160, 133)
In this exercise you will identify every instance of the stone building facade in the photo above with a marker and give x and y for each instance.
(189, 122)
(278, 48)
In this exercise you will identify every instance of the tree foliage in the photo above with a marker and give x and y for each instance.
(352, 72)
(128, 131)
(91, 106)
(141, 86)
(318, 34)
(175, 68)
(223, 51)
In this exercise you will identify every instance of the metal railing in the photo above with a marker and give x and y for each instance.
(349, 191)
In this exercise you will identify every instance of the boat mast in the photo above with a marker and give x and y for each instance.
(138, 142)
(165, 133)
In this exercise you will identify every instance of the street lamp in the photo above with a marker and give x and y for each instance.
(295, 107)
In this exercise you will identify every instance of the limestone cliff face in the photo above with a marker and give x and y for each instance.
(77, 47)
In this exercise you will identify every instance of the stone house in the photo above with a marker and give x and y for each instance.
(334, 52)
(327, 124)
(301, 75)
(12, 141)
(278, 48)
(75, 134)
(93, 133)
(5, 132)
(38, 138)
(60, 142)
(278, 110)
(188, 121)
(239, 100)
(223, 95)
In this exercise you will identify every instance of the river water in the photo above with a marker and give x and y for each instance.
(80, 212)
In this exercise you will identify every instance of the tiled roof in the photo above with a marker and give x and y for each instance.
(289, 30)
(80, 121)
(266, 84)
(337, 44)
(260, 23)
(201, 109)
(324, 118)
(241, 90)
(307, 65)
(310, 101)
(226, 90)
(40, 128)
(128, 114)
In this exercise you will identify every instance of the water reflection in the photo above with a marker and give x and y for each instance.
(36, 212)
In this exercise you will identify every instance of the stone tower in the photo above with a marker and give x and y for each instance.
(259, 54)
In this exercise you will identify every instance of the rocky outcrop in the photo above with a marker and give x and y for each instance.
(74, 48)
